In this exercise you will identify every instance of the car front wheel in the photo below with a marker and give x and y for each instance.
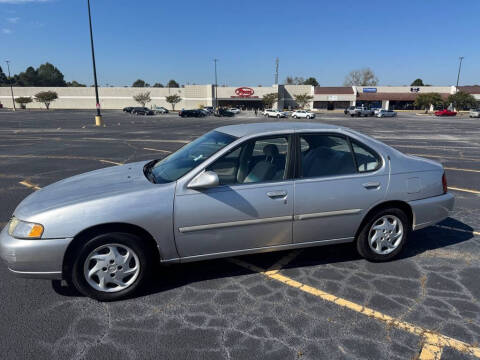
(111, 266)
(383, 235)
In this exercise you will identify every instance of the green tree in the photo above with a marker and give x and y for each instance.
(462, 101)
(142, 98)
(417, 82)
(311, 81)
(173, 84)
(303, 99)
(173, 100)
(139, 83)
(361, 77)
(27, 78)
(23, 101)
(46, 97)
(3, 78)
(270, 99)
(49, 75)
(426, 100)
(158, 85)
(75, 84)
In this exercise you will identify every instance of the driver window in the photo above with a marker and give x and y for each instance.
(254, 161)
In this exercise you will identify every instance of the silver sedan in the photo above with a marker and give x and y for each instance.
(236, 190)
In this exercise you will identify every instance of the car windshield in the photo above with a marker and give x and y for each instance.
(188, 157)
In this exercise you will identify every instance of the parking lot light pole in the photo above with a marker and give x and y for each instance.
(98, 117)
(216, 85)
(11, 86)
(459, 68)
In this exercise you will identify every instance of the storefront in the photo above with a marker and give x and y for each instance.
(245, 98)
(333, 97)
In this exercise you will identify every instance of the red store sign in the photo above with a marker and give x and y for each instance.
(244, 92)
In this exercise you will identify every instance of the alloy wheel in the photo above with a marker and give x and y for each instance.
(111, 268)
(385, 234)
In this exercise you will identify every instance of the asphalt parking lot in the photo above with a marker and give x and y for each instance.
(319, 303)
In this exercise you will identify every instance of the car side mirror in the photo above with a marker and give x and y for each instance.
(204, 180)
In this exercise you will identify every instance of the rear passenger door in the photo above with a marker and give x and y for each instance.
(337, 181)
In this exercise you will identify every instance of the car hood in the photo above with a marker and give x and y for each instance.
(85, 187)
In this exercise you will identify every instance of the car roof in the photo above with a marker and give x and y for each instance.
(242, 130)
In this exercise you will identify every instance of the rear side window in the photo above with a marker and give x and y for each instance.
(367, 160)
(325, 155)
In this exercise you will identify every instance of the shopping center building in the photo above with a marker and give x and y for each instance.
(247, 97)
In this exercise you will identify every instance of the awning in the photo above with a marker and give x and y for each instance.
(391, 96)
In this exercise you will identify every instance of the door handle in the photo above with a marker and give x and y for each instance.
(277, 194)
(371, 185)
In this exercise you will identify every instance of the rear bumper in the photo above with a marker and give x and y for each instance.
(432, 210)
(41, 258)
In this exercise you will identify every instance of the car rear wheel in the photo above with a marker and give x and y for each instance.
(111, 266)
(383, 235)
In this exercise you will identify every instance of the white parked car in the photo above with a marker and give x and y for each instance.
(303, 114)
(376, 110)
(274, 113)
(234, 110)
(386, 113)
(474, 113)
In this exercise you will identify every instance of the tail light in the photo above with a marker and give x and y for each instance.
(444, 183)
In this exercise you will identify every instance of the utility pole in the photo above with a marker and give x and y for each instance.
(459, 68)
(216, 85)
(276, 71)
(98, 117)
(11, 86)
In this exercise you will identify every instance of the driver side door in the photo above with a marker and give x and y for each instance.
(252, 208)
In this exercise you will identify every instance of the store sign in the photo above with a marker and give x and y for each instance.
(332, 97)
(369, 90)
(244, 92)
(414, 90)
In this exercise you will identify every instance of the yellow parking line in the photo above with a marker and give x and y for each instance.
(434, 340)
(283, 262)
(111, 162)
(29, 185)
(458, 169)
(464, 190)
(457, 229)
(430, 352)
(159, 150)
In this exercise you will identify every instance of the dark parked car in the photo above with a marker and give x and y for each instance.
(128, 109)
(191, 113)
(224, 112)
(142, 111)
(160, 110)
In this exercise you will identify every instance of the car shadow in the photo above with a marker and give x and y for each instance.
(166, 278)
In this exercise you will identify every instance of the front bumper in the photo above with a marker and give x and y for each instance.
(41, 258)
(432, 210)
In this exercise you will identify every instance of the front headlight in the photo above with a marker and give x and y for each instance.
(24, 230)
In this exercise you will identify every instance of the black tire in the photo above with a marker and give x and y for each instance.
(363, 246)
(132, 241)
(278, 116)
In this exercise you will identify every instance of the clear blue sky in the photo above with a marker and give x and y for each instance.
(157, 40)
